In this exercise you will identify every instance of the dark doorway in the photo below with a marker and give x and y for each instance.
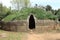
(59, 19)
(31, 22)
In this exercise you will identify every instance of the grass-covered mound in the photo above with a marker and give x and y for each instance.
(23, 14)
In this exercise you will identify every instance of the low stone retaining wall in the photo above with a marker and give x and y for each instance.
(14, 26)
(23, 26)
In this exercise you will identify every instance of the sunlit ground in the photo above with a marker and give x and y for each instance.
(30, 35)
(4, 35)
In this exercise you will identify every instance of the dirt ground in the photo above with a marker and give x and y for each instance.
(41, 36)
(29, 36)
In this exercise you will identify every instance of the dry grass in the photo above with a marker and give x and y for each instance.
(49, 35)
(4, 35)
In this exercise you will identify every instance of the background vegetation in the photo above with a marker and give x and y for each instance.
(41, 12)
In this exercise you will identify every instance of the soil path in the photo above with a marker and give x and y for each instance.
(41, 36)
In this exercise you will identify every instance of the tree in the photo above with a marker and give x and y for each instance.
(3, 11)
(36, 5)
(26, 2)
(18, 4)
(58, 14)
(1, 6)
(48, 8)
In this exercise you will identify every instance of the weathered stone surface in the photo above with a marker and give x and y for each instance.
(23, 26)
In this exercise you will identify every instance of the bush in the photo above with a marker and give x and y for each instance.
(23, 14)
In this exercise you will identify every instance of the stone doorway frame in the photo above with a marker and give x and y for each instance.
(28, 21)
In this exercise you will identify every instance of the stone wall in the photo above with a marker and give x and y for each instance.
(14, 26)
(47, 25)
(23, 26)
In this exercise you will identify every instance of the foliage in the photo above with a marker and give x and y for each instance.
(18, 4)
(26, 2)
(23, 14)
(58, 13)
(48, 8)
(3, 11)
(51, 16)
(10, 17)
(6, 14)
